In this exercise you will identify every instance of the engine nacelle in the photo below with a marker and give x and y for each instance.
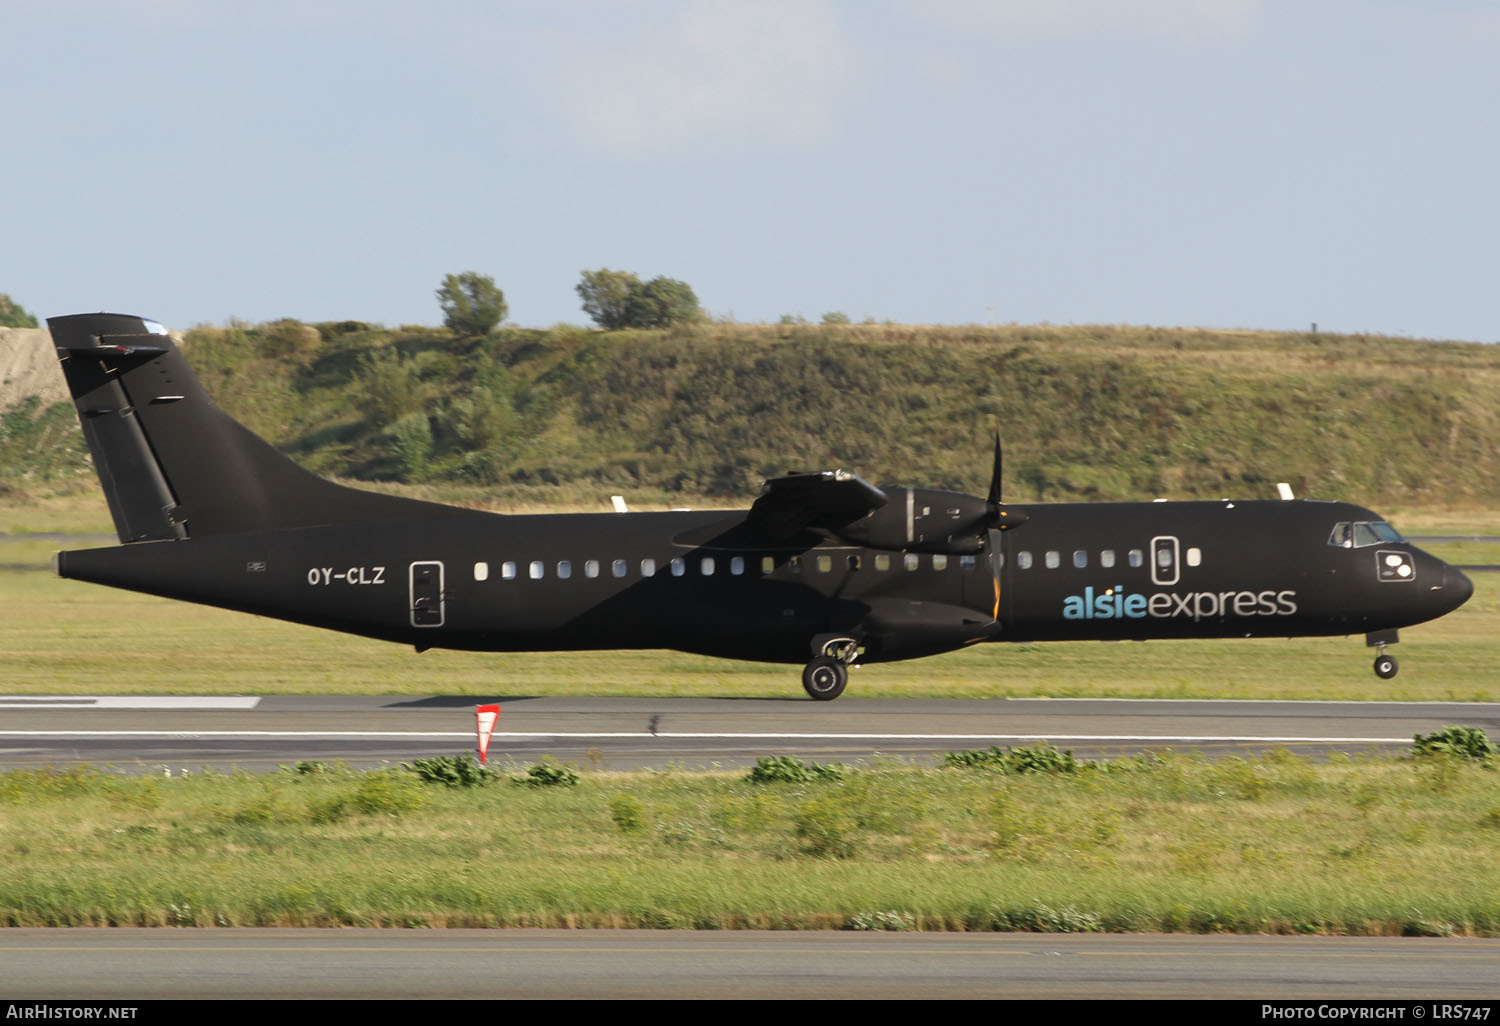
(924, 520)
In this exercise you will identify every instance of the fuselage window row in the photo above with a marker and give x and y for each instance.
(1052, 559)
(707, 565)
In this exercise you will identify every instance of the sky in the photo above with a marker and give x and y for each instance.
(1215, 163)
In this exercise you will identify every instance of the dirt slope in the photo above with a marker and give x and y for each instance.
(28, 366)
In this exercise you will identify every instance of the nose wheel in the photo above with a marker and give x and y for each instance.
(1386, 666)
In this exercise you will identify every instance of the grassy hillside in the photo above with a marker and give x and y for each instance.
(568, 416)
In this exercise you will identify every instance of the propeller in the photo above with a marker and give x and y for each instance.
(1001, 518)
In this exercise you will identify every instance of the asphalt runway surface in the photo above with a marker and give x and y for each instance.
(127, 964)
(259, 733)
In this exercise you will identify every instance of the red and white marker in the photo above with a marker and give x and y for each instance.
(484, 721)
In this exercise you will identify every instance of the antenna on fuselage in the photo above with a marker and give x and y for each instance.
(618, 502)
(1285, 491)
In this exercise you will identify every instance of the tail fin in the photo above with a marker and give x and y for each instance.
(171, 462)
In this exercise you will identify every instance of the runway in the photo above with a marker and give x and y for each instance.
(133, 964)
(256, 733)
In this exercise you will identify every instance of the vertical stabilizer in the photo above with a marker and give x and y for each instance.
(172, 463)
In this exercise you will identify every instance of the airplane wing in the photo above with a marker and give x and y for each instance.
(827, 499)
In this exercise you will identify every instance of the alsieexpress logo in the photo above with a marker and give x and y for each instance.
(1115, 604)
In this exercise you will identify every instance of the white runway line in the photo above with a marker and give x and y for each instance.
(129, 702)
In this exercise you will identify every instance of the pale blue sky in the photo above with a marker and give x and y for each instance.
(1223, 163)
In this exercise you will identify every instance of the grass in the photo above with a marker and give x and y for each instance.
(1170, 843)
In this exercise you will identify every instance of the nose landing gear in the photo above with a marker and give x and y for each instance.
(1385, 665)
(825, 677)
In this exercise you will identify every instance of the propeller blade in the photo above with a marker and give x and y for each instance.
(995, 475)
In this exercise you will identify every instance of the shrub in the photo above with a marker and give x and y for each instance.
(452, 771)
(288, 339)
(788, 769)
(1041, 758)
(547, 774)
(13, 315)
(411, 444)
(1459, 742)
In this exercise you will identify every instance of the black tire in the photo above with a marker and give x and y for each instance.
(1386, 667)
(824, 678)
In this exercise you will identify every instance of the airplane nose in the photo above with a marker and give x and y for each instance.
(1457, 588)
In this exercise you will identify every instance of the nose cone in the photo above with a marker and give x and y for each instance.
(1457, 588)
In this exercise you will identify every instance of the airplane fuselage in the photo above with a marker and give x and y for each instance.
(705, 582)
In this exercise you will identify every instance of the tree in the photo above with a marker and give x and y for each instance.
(13, 315)
(619, 299)
(663, 301)
(606, 297)
(471, 303)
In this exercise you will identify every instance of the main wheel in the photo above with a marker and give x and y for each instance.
(824, 678)
(1385, 667)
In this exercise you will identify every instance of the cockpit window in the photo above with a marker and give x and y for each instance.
(1362, 533)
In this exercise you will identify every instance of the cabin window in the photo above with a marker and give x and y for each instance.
(967, 563)
(1107, 558)
(508, 570)
(767, 564)
(882, 562)
(911, 561)
(852, 562)
(679, 566)
(825, 564)
(1080, 559)
(1137, 558)
(1053, 559)
(737, 565)
(1364, 535)
(1194, 556)
(1023, 559)
(939, 562)
(619, 568)
(648, 568)
(1341, 538)
(538, 569)
(481, 571)
(706, 566)
(1385, 532)
(591, 568)
(564, 569)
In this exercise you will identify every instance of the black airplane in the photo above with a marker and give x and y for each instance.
(823, 569)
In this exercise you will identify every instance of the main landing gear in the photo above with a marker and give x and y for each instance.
(1385, 665)
(826, 676)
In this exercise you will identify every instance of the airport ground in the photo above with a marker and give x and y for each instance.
(1250, 841)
